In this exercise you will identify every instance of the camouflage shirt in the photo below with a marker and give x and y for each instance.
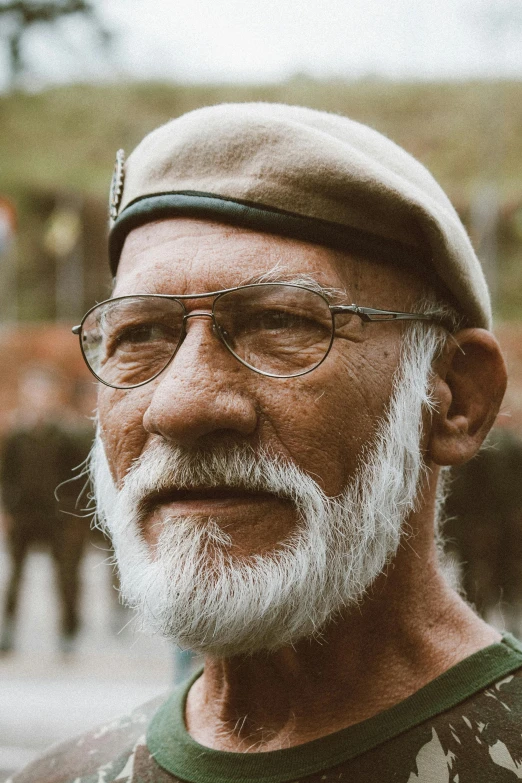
(463, 727)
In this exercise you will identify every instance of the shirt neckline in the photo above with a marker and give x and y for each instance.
(178, 753)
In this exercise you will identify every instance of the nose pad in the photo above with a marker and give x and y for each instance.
(218, 331)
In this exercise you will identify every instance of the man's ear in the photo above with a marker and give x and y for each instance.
(468, 386)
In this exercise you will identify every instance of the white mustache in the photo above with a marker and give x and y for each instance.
(164, 468)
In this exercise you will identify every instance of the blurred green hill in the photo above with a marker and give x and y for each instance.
(469, 135)
(67, 137)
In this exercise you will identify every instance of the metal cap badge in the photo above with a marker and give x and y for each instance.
(117, 185)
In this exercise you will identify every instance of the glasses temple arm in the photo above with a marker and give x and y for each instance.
(76, 329)
(372, 314)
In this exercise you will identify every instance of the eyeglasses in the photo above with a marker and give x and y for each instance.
(281, 330)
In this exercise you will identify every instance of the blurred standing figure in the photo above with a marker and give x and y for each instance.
(485, 526)
(38, 455)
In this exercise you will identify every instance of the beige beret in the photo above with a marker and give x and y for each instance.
(297, 172)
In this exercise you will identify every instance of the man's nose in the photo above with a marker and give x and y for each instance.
(202, 392)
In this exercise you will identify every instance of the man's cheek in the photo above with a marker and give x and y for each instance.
(315, 427)
(120, 417)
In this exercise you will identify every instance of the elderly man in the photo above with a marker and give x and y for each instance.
(297, 344)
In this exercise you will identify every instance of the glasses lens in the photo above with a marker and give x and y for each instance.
(128, 341)
(281, 330)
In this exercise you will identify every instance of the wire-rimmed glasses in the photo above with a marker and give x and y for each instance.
(281, 330)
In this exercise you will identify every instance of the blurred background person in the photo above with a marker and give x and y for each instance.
(484, 528)
(43, 447)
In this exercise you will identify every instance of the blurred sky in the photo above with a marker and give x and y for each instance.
(253, 40)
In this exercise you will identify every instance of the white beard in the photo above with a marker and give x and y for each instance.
(192, 588)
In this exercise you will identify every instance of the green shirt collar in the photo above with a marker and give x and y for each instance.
(175, 750)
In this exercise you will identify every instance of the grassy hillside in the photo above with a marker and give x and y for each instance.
(68, 136)
(465, 133)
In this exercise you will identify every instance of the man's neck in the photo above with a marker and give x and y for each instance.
(409, 630)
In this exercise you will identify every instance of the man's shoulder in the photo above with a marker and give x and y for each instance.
(485, 729)
(477, 739)
(104, 753)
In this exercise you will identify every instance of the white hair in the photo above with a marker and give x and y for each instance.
(192, 587)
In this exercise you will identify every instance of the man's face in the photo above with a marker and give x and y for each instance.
(205, 398)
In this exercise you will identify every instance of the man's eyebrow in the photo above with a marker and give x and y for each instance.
(279, 275)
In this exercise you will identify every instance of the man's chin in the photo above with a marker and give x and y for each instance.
(224, 608)
(250, 525)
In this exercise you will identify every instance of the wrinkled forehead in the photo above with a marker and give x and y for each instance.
(198, 256)
(185, 255)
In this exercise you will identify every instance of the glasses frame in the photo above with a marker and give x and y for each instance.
(366, 314)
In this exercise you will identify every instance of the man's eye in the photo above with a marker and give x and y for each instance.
(279, 319)
(142, 333)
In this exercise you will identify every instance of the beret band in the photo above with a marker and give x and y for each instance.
(258, 218)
